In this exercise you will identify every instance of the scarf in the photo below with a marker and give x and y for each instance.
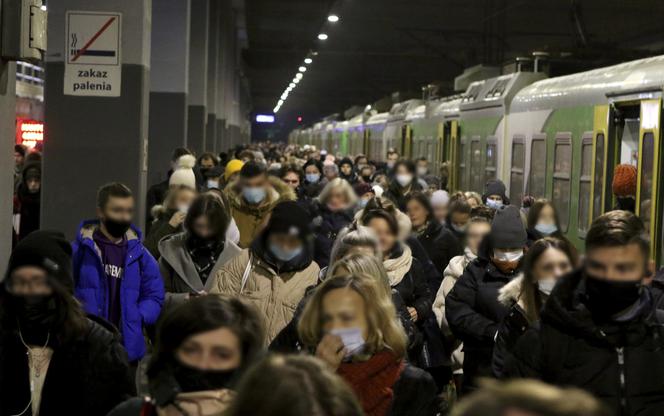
(373, 381)
(470, 256)
(398, 267)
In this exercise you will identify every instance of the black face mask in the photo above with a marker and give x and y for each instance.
(195, 241)
(366, 179)
(192, 379)
(606, 298)
(116, 229)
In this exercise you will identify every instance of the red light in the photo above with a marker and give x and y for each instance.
(299, 119)
(29, 132)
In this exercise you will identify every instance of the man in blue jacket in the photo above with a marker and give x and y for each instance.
(116, 278)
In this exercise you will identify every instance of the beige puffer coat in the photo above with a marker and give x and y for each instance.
(275, 295)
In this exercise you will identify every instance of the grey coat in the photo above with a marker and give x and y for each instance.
(178, 269)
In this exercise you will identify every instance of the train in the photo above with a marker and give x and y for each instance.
(557, 138)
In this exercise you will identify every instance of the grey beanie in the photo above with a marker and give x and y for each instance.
(507, 230)
(495, 187)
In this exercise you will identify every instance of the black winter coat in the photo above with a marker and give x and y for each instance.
(159, 229)
(397, 194)
(155, 196)
(327, 225)
(89, 376)
(620, 363)
(510, 330)
(473, 312)
(441, 245)
(414, 394)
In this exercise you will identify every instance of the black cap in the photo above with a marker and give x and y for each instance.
(507, 230)
(251, 169)
(290, 218)
(214, 172)
(48, 250)
(32, 170)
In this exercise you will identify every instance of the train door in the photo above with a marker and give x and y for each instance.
(453, 158)
(366, 146)
(405, 141)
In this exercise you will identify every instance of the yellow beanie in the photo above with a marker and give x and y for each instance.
(232, 167)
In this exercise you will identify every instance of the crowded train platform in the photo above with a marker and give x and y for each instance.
(452, 209)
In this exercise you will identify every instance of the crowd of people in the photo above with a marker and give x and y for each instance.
(277, 280)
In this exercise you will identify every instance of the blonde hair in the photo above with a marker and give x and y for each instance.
(350, 238)
(362, 265)
(474, 195)
(343, 186)
(384, 329)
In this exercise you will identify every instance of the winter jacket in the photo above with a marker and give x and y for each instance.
(179, 271)
(620, 363)
(141, 289)
(250, 219)
(312, 190)
(534, 235)
(414, 394)
(156, 195)
(473, 312)
(275, 291)
(87, 376)
(144, 407)
(453, 271)
(397, 194)
(327, 225)
(441, 246)
(159, 229)
(511, 328)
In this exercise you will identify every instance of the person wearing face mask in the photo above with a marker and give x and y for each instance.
(478, 227)
(169, 217)
(189, 259)
(253, 197)
(275, 271)
(203, 348)
(55, 360)
(293, 176)
(391, 161)
(472, 309)
(347, 170)
(364, 193)
(213, 178)
(547, 261)
(331, 212)
(440, 201)
(116, 277)
(207, 161)
(543, 221)
(351, 325)
(27, 200)
(459, 211)
(494, 195)
(157, 192)
(366, 174)
(422, 167)
(403, 183)
(330, 170)
(599, 329)
(314, 182)
(232, 171)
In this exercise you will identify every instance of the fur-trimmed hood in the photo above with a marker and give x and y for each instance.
(511, 292)
(405, 226)
(278, 192)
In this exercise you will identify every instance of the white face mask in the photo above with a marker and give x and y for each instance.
(422, 171)
(212, 184)
(404, 179)
(508, 255)
(183, 208)
(546, 285)
(494, 204)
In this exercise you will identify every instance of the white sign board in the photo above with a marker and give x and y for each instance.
(93, 64)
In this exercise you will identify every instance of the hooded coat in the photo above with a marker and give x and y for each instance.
(276, 290)
(179, 271)
(620, 363)
(27, 204)
(473, 313)
(141, 287)
(352, 178)
(250, 219)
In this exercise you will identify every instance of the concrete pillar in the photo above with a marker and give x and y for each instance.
(224, 69)
(7, 132)
(198, 67)
(213, 52)
(169, 83)
(93, 140)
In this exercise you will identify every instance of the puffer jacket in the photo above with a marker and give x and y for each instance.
(473, 312)
(251, 219)
(141, 288)
(179, 271)
(621, 363)
(327, 225)
(275, 291)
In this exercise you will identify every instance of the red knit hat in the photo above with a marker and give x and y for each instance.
(624, 180)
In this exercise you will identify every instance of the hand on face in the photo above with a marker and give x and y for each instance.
(331, 350)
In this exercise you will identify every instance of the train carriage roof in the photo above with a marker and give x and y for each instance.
(592, 87)
(447, 107)
(399, 110)
(380, 118)
(417, 113)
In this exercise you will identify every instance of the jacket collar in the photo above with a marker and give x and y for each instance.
(259, 248)
(85, 237)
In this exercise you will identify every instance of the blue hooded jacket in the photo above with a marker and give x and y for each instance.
(141, 288)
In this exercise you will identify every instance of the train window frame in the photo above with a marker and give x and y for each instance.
(517, 140)
(463, 178)
(563, 139)
(598, 178)
(478, 141)
(643, 152)
(585, 180)
(491, 142)
(540, 137)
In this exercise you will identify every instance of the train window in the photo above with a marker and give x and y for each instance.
(491, 157)
(537, 178)
(476, 165)
(647, 159)
(462, 164)
(599, 175)
(584, 184)
(516, 173)
(562, 169)
(498, 89)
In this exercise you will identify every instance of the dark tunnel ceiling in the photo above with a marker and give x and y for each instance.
(381, 46)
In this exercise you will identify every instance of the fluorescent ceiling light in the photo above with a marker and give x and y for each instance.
(308, 61)
(302, 69)
(322, 36)
(333, 18)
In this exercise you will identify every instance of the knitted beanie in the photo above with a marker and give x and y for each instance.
(507, 230)
(233, 167)
(184, 173)
(624, 181)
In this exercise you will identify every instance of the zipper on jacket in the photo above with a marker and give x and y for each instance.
(621, 374)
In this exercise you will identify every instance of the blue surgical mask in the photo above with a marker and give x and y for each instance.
(212, 184)
(254, 195)
(312, 177)
(494, 204)
(284, 255)
(362, 203)
(546, 229)
(459, 228)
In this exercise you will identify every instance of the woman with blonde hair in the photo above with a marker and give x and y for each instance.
(331, 212)
(350, 322)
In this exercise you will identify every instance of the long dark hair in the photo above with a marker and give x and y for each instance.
(203, 314)
(532, 298)
(214, 207)
(422, 199)
(536, 209)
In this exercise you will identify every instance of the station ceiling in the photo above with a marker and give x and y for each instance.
(382, 46)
